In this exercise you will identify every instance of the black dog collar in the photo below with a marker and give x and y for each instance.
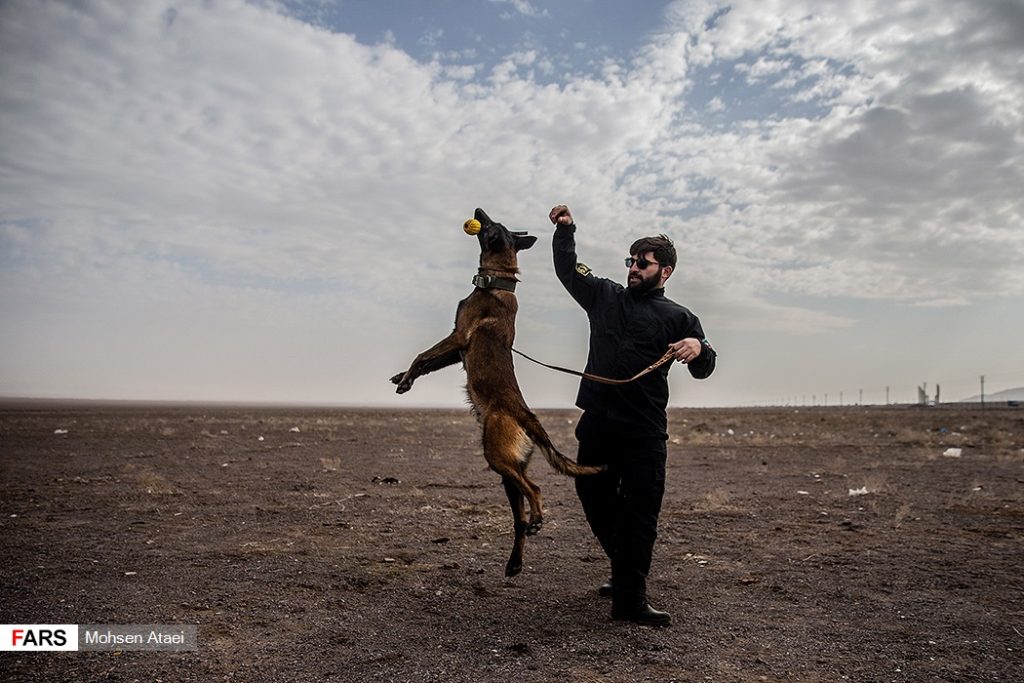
(494, 282)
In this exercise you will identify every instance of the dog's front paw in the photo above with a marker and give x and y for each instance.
(403, 381)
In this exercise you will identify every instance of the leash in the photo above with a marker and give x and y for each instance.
(597, 378)
(495, 282)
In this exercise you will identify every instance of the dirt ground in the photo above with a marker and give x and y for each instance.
(814, 544)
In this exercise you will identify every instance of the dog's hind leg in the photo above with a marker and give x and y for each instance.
(506, 450)
(515, 500)
(532, 493)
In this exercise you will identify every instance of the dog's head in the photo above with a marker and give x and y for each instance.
(495, 238)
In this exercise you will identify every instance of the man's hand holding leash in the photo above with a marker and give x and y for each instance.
(686, 350)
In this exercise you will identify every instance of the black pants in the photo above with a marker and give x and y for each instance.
(622, 504)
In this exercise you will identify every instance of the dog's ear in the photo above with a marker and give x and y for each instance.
(484, 219)
(524, 242)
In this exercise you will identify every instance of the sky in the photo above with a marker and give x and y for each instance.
(263, 201)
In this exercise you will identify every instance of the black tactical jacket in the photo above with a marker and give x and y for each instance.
(628, 332)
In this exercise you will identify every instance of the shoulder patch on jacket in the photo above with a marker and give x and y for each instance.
(583, 269)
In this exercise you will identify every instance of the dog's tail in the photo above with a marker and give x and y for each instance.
(555, 458)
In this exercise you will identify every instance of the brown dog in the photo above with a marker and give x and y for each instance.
(485, 326)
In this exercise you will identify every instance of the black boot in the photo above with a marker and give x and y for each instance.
(641, 613)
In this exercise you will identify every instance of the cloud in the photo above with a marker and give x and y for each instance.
(227, 176)
(521, 7)
(910, 171)
(762, 68)
(151, 165)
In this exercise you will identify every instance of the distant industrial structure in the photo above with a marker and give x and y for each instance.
(922, 395)
(1006, 398)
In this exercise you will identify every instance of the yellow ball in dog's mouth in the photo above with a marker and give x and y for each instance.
(472, 226)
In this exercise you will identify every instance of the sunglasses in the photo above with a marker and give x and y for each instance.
(641, 262)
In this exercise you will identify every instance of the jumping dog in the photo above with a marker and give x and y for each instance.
(482, 340)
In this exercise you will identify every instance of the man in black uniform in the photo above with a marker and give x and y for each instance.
(625, 426)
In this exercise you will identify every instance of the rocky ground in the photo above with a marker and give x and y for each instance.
(839, 544)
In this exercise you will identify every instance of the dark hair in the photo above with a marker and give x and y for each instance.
(664, 250)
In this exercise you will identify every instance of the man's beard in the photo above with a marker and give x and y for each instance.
(641, 284)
